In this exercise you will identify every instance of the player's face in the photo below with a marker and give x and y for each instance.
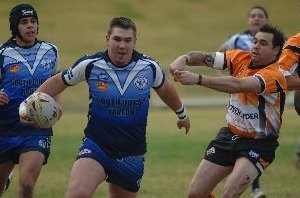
(263, 52)
(120, 44)
(256, 19)
(28, 28)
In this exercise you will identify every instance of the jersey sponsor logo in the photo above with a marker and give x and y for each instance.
(46, 63)
(45, 143)
(84, 151)
(237, 111)
(102, 85)
(211, 151)
(14, 68)
(140, 82)
(253, 154)
(121, 111)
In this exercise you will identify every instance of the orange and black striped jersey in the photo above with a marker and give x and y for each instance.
(290, 56)
(255, 115)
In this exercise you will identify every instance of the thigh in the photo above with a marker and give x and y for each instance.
(36, 144)
(30, 165)
(85, 176)
(115, 191)
(243, 174)
(207, 176)
(33, 154)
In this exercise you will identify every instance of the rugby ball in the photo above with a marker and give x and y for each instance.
(42, 109)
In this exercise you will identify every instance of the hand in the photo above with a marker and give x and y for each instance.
(186, 77)
(3, 98)
(24, 118)
(184, 123)
(178, 64)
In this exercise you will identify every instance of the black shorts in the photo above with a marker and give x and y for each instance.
(227, 147)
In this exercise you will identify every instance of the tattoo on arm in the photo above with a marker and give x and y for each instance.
(198, 58)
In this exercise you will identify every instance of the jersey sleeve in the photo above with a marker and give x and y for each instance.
(271, 80)
(159, 77)
(56, 68)
(290, 54)
(230, 43)
(76, 73)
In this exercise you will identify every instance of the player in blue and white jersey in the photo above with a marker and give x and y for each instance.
(120, 80)
(257, 17)
(25, 63)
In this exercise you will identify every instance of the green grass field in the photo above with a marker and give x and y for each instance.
(166, 28)
(172, 156)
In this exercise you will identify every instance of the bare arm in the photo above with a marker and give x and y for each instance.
(53, 86)
(293, 82)
(227, 84)
(169, 96)
(194, 58)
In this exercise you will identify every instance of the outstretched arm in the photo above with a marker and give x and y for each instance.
(227, 84)
(169, 96)
(194, 58)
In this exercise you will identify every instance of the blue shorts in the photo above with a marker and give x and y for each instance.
(11, 147)
(126, 172)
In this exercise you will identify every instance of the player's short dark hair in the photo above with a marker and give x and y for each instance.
(278, 36)
(19, 12)
(122, 22)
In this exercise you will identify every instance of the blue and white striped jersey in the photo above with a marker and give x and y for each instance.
(119, 100)
(243, 41)
(23, 70)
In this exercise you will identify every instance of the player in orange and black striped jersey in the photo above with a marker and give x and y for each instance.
(246, 146)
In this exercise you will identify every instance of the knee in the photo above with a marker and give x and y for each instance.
(77, 192)
(26, 189)
(195, 193)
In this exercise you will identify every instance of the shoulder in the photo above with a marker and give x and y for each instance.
(273, 70)
(86, 59)
(238, 54)
(48, 44)
(144, 57)
(293, 40)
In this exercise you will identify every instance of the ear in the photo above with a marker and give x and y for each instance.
(106, 39)
(276, 50)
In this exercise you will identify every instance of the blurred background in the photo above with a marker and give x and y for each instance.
(166, 29)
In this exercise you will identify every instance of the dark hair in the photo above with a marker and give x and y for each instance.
(278, 36)
(122, 22)
(19, 12)
(261, 8)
